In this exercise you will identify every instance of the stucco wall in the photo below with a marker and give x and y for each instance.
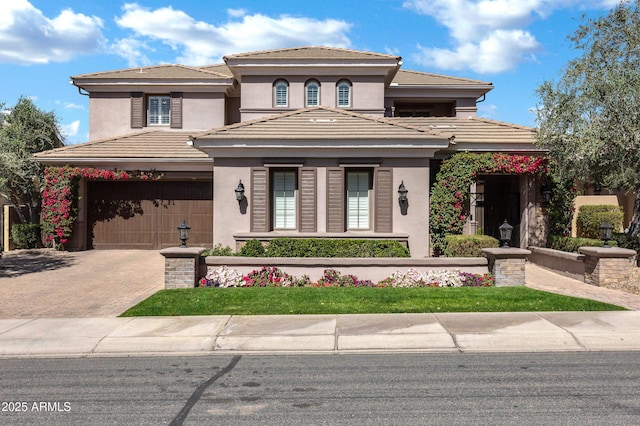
(231, 218)
(110, 113)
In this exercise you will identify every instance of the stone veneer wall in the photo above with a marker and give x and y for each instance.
(507, 265)
(604, 266)
(181, 267)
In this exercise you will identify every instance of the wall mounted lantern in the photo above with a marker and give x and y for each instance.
(402, 192)
(505, 234)
(183, 232)
(239, 191)
(606, 233)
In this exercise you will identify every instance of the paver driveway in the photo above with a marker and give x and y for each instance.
(93, 283)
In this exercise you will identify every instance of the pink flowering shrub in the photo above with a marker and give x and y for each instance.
(224, 277)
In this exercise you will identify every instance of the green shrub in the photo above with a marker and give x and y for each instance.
(218, 250)
(25, 235)
(467, 245)
(590, 218)
(572, 245)
(325, 247)
(252, 248)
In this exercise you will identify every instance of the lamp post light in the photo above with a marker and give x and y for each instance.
(183, 232)
(402, 192)
(505, 234)
(606, 233)
(239, 191)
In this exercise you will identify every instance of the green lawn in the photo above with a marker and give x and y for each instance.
(356, 300)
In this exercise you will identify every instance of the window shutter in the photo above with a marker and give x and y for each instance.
(137, 110)
(335, 200)
(383, 186)
(259, 200)
(308, 194)
(176, 110)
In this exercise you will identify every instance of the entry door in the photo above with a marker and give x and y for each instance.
(502, 201)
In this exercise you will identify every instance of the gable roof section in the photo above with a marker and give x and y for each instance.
(319, 123)
(152, 144)
(312, 52)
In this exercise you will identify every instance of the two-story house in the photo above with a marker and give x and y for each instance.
(309, 141)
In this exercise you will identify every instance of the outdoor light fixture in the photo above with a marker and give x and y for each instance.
(402, 192)
(240, 191)
(183, 232)
(606, 233)
(505, 234)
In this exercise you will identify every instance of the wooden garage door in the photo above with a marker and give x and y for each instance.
(145, 215)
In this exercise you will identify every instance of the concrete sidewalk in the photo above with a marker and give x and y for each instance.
(451, 332)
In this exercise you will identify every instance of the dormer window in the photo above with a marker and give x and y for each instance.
(281, 94)
(312, 93)
(343, 95)
(158, 110)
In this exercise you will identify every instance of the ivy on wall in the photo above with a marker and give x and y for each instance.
(60, 198)
(453, 181)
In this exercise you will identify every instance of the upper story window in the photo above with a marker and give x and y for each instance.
(281, 94)
(159, 110)
(312, 93)
(343, 95)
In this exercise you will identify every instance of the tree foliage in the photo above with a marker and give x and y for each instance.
(24, 131)
(589, 119)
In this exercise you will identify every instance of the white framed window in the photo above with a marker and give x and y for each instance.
(281, 94)
(359, 187)
(284, 184)
(312, 93)
(343, 95)
(158, 110)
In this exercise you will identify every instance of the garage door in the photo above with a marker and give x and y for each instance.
(145, 215)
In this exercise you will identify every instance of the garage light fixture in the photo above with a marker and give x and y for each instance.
(240, 192)
(183, 232)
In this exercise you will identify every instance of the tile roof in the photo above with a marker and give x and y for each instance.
(312, 52)
(151, 144)
(178, 72)
(474, 130)
(320, 123)
(407, 77)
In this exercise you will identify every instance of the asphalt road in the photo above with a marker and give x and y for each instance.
(395, 389)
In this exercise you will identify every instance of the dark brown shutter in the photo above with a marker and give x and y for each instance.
(335, 200)
(308, 194)
(383, 187)
(137, 110)
(176, 110)
(259, 199)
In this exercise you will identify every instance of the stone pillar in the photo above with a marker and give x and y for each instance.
(507, 265)
(606, 265)
(181, 266)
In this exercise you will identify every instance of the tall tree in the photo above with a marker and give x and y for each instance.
(589, 120)
(25, 130)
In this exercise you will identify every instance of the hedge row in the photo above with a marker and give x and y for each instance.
(590, 218)
(573, 244)
(316, 247)
(467, 245)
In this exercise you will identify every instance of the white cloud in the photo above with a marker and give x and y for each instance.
(29, 37)
(70, 130)
(488, 36)
(199, 42)
(237, 13)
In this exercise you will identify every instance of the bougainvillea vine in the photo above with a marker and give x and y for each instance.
(60, 197)
(450, 192)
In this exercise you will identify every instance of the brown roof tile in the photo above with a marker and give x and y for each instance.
(179, 72)
(312, 52)
(407, 77)
(320, 123)
(474, 130)
(158, 144)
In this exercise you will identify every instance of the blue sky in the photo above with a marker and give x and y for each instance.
(515, 44)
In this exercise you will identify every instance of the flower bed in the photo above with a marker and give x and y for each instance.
(224, 277)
